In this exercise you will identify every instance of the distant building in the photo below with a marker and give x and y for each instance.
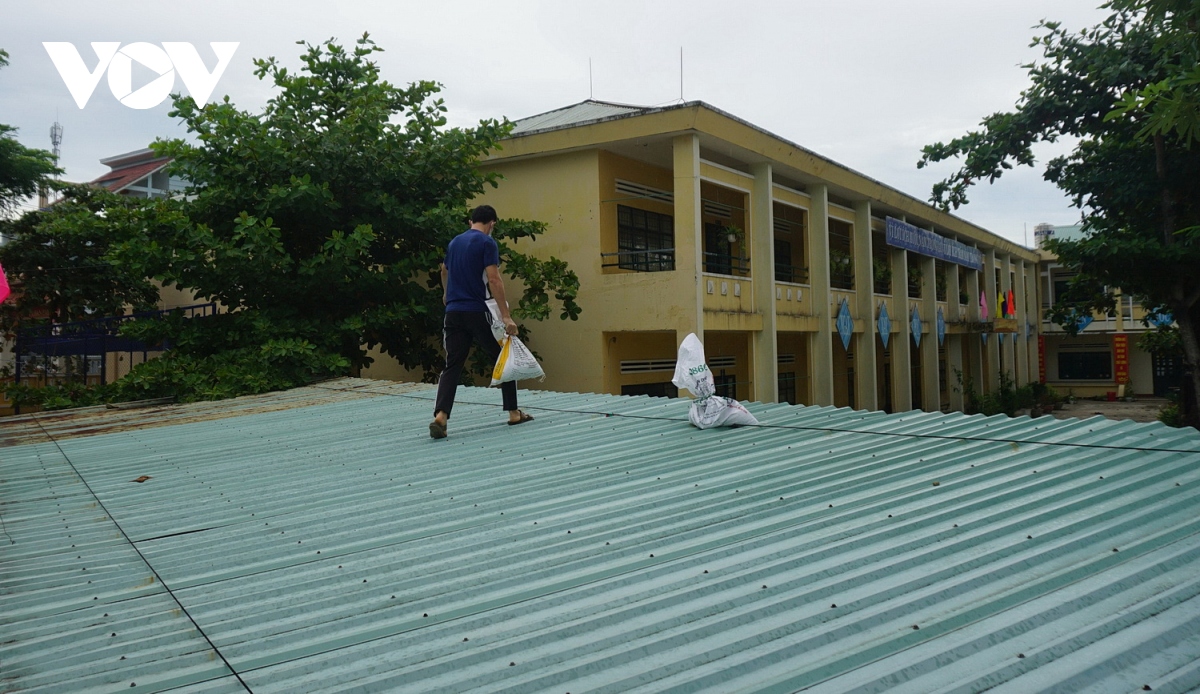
(1104, 356)
(141, 174)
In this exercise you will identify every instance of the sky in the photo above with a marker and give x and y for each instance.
(866, 83)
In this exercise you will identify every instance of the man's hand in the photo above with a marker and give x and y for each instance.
(510, 326)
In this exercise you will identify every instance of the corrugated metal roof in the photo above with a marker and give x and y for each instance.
(576, 114)
(605, 547)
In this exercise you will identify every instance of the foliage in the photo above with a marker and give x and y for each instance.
(22, 170)
(1006, 400)
(881, 274)
(914, 279)
(58, 397)
(319, 225)
(1171, 415)
(1138, 188)
(1161, 342)
(59, 257)
(1171, 105)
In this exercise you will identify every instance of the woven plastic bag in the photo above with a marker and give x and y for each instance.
(516, 363)
(708, 410)
(496, 324)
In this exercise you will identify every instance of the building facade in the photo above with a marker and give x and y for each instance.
(686, 219)
(1104, 357)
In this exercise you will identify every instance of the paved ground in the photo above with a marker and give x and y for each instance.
(1141, 410)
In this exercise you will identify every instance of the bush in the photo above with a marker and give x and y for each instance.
(59, 397)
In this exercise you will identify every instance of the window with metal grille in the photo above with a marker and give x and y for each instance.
(1084, 366)
(645, 240)
(726, 386)
(787, 388)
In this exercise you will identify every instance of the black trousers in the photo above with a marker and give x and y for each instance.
(459, 332)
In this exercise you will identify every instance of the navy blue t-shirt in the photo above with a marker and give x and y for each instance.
(467, 256)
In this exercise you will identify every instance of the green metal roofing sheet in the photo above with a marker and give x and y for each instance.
(318, 540)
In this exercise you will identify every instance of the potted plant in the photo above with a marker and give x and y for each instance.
(881, 273)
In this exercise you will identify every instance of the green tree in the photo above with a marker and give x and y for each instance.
(319, 224)
(22, 170)
(60, 257)
(1138, 190)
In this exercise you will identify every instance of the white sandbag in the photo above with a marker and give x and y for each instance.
(718, 411)
(708, 410)
(516, 363)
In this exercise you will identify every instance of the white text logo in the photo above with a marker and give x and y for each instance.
(172, 57)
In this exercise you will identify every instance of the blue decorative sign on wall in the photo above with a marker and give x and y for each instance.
(915, 324)
(885, 324)
(845, 324)
(941, 327)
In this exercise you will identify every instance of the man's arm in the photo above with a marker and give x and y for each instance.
(445, 283)
(496, 284)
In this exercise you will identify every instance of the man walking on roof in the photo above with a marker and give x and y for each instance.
(470, 270)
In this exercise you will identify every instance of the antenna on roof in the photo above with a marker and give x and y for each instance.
(56, 132)
(681, 73)
(589, 79)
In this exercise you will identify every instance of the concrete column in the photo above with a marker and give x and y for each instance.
(954, 343)
(1021, 293)
(823, 312)
(689, 241)
(992, 376)
(866, 386)
(930, 378)
(900, 343)
(762, 251)
(974, 344)
(1009, 346)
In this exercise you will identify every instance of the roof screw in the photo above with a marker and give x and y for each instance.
(831, 506)
(706, 571)
(833, 606)
(364, 580)
(425, 615)
(1145, 687)
(464, 639)
(113, 634)
(1114, 549)
(122, 657)
(1020, 655)
(652, 556)
(513, 664)
(1029, 537)
(764, 587)
(889, 515)
(915, 627)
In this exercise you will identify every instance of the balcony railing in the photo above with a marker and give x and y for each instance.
(657, 260)
(726, 264)
(791, 273)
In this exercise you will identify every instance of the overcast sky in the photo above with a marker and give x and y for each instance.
(866, 83)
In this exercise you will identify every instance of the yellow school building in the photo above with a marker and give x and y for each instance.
(808, 282)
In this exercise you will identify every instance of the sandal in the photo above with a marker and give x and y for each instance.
(524, 418)
(437, 430)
